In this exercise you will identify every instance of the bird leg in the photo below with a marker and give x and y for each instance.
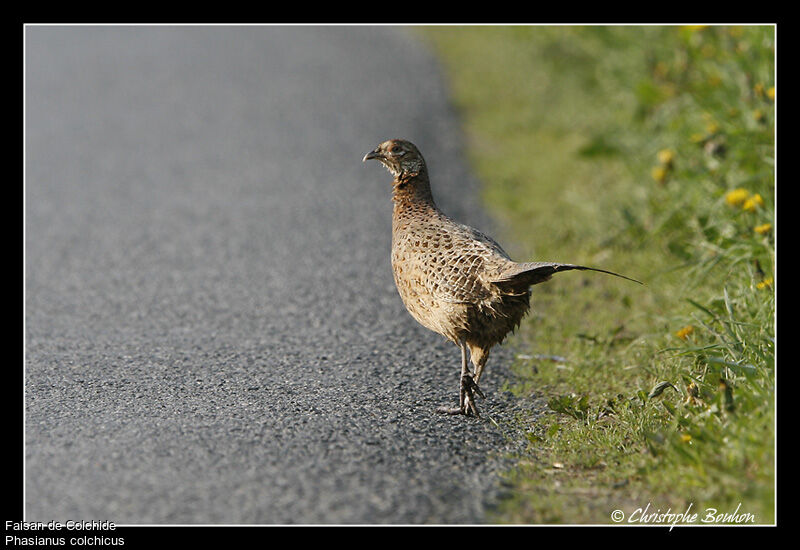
(470, 388)
(467, 389)
(479, 357)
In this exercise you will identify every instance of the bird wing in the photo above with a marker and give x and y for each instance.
(465, 270)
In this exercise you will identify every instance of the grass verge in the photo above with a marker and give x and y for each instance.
(648, 151)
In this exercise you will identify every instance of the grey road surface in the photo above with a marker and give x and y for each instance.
(212, 331)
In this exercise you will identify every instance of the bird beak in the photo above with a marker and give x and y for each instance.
(374, 154)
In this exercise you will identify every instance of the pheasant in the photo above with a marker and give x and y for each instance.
(453, 279)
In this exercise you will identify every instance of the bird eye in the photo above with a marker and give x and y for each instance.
(395, 149)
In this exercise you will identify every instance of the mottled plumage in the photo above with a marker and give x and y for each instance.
(453, 279)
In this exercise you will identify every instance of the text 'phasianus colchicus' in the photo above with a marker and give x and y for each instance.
(453, 279)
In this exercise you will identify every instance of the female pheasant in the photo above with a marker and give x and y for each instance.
(453, 279)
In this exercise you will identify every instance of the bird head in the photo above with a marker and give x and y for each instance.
(399, 156)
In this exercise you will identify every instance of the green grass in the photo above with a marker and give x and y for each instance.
(618, 147)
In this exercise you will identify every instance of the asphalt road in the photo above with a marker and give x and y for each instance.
(213, 335)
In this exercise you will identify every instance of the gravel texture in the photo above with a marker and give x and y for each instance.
(213, 335)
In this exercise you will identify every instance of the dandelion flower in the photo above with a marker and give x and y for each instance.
(771, 93)
(759, 89)
(666, 156)
(684, 333)
(763, 229)
(692, 395)
(659, 173)
(765, 283)
(752, 203)
(737, 196)
(686, 438)
(661, 69)
(712, 127)
(736, 32)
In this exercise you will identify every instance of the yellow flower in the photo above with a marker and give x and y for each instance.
(771, 93)
(752, 203)
(693, 395)
(758, 115)
(695, 27)
(686, 438)
(736, 32)
(763, 229)
(661, 69)
(659, 173)
(765, 283)
(666, 156)
(759, 89)
(736, 197)
(684, 333)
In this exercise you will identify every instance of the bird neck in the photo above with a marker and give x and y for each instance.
(412, 188)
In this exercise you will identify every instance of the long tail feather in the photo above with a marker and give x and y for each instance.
(532, 273)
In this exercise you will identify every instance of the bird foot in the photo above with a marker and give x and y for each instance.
(467, 394)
